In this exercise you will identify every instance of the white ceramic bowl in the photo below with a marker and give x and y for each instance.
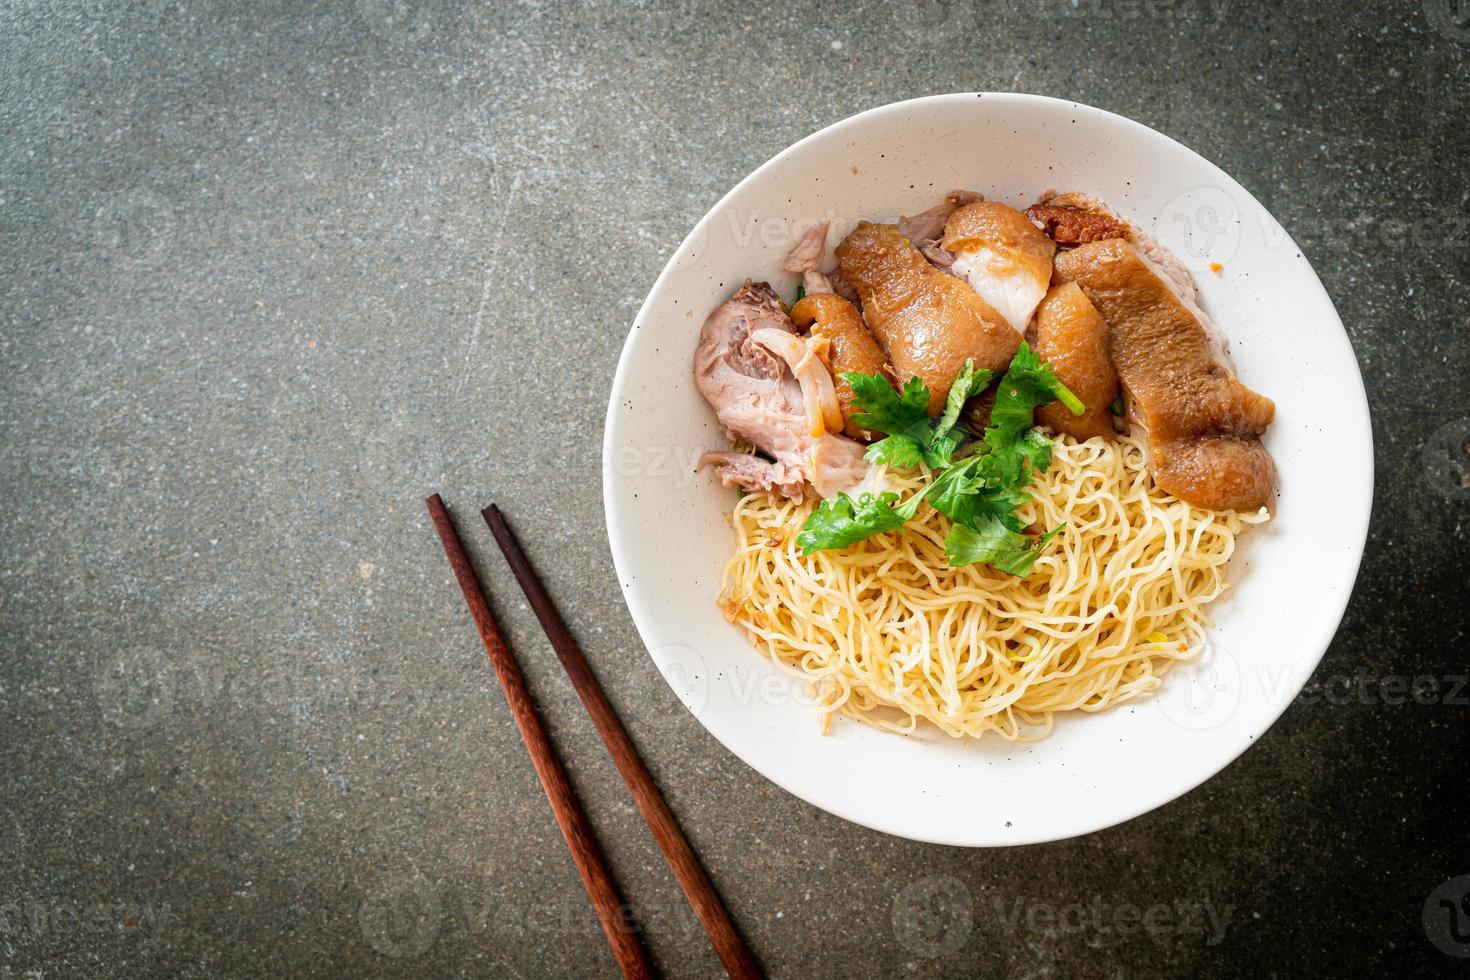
(667, 524)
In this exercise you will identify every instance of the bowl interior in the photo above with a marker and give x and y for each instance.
(1291, 578)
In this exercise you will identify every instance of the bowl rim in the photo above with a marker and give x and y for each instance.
(1329, 625)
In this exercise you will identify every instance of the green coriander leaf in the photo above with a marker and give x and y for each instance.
(1008, 457)
(904, 418)
(969, 382)
(1012, 444)
(995, 544)
(961, 493)
(1028, 384)
(960, 480)
(1011, 463)
(840, 521)
(800, 292)
(904, 452)
(941, 451)
(887, 410)
(1117, 406)
(975, 509)
(1037, 449)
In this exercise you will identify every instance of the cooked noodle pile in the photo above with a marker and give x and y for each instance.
(886, 632)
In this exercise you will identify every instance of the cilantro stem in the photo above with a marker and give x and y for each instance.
(1073, 403)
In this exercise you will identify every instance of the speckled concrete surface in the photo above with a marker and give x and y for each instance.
(271, 272)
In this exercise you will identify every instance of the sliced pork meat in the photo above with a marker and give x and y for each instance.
(929, 225)
(1070, 226)
(1003, 256)
(836, 465)
(1201, 425)
(818, 395)
(1072, 337)
(759, 399)
(806, 259)
(928, 322)
(936, 254)
(851, 348)
(807, 255)
(1108, 224)
(834, 468)
(749, 472)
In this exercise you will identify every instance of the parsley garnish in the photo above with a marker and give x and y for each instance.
(999, 546)
(841, 521)
(978, 492)
(913, 437)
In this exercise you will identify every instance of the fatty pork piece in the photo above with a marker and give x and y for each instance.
(929, 322)
(1202, 426)
(759, 400)
(1072, 337)
(1003, 256)
(851, 348)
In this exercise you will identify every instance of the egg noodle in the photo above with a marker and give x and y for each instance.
(886, 632)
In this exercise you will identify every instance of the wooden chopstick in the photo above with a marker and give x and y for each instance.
(626, 947)
(700, 891)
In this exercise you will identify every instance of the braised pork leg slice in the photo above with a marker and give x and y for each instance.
(1072, 337)
(928, 321)
(1003, 256)
(759, 401)
(851, 349)
(1202, 426)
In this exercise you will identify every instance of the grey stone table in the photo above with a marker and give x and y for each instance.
(273, 271)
